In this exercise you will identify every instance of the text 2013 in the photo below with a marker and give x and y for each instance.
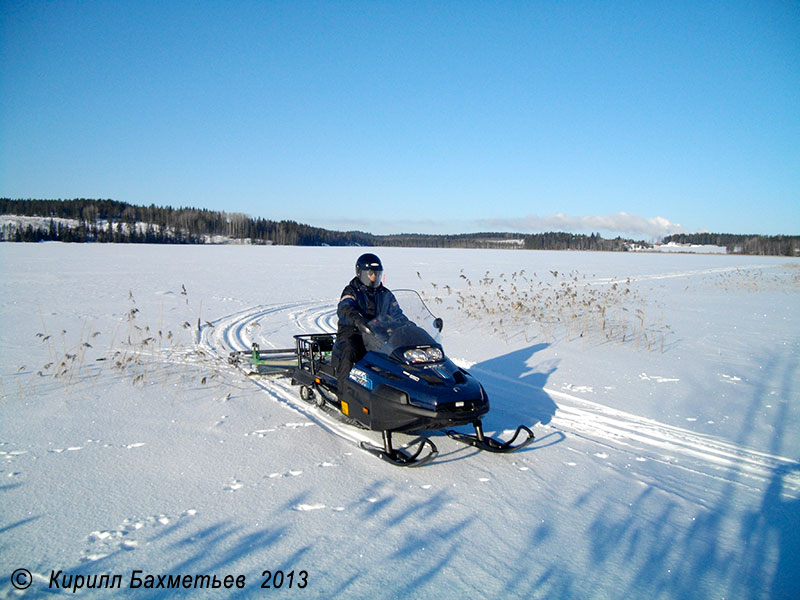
(279, 579)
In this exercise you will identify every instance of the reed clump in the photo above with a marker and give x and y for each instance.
(557, 305)
(138, 351)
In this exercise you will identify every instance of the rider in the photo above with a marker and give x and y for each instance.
(362, 300)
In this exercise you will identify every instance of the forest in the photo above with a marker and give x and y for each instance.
(773, 245)
(110, 221)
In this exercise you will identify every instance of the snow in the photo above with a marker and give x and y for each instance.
(692, 248)
(665, 464)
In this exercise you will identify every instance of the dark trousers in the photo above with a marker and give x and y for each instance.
(347, 351)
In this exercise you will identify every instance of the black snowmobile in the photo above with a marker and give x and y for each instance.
(404, 383)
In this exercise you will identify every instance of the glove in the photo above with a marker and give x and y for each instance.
(362, 324)
(379, 331)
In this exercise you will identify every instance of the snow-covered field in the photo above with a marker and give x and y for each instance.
(663, 391)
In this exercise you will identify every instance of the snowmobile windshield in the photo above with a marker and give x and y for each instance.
(415, 310)
(407, 331)
(404, 340)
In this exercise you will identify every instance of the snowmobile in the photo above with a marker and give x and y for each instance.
(404, 383)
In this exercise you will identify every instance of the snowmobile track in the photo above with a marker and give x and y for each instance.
(641, 439)
(625, 441)
(262, 325)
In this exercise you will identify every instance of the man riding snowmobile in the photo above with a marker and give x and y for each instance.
(387, 372)
(362, 300)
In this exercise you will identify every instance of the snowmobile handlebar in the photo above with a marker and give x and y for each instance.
(375, 329)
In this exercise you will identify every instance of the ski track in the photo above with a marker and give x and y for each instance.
(623, 441)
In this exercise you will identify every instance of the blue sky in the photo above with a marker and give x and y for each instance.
(640, 118)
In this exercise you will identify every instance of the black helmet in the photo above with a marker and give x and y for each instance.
(366, 265)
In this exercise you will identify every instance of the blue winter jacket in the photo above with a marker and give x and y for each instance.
(360, 304)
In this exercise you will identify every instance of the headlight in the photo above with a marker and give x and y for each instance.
(423, 355)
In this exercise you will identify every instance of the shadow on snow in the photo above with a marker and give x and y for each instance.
(515, 384)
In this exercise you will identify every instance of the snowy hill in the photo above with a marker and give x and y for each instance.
(684, 248)
(662, 390)
(12, 225)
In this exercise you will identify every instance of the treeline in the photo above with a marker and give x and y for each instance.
(86, 220)
(573, 241)
(773, 245)
(59, 230)
(111, 221)
(537, 241)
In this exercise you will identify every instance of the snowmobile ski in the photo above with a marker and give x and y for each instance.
(490, 444)
(318, 397)
(402, 458)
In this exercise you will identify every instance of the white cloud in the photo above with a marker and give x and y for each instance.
(621, 223)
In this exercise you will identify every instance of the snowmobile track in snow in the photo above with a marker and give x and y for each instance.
(262, 324)
(639, 440)
(624, 441)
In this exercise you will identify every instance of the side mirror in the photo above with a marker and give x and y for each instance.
(438, 323)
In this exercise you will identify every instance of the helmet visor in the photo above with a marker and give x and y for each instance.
(371, 277)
